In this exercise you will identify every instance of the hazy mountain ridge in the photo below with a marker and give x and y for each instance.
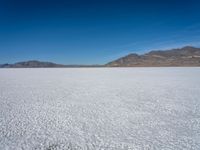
(186, 56)
(32, 64)
(41, 64)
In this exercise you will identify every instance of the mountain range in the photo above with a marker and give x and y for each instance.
(186, 56)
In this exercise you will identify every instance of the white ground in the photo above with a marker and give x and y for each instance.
(100, 108)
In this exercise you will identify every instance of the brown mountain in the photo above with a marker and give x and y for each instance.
(186, 56)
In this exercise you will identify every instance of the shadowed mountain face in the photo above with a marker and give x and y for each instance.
(186, 56)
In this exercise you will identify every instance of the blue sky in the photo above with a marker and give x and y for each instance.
(95, 31)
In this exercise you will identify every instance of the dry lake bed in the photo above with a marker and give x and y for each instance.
(100, 109)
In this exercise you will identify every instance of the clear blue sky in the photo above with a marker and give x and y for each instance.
(95, 31)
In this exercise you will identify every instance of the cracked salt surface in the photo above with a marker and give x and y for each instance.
(100, 108)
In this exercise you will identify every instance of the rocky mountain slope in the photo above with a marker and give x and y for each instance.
(186, 56)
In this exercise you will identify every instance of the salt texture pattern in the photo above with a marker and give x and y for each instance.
(100, 108)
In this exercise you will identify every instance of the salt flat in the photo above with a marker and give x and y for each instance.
(100, 108)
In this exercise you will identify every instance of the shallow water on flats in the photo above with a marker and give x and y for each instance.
(100, 108)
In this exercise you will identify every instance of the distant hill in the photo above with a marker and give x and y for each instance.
(32, 64)
(186, 56)
(40, 64)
